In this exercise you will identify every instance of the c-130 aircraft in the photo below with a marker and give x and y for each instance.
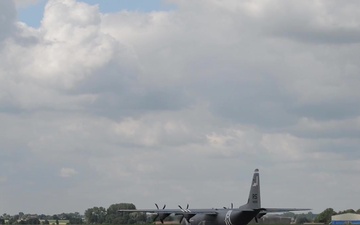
(223, 216)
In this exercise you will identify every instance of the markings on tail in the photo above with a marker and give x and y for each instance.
(255, 198)
(256, 181)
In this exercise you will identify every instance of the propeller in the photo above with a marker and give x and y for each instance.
(158, 206)
(186, 213)
(160, 215)
(259, 215)
(232, 206)
(185, 210)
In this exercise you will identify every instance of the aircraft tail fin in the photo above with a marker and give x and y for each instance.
(254, 201)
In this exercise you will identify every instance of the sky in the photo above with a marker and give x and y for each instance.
(176, 102)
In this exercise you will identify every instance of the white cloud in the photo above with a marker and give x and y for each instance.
(192, 99)
(3, 179)
(68, 172)
(25, 3)
(8, 18)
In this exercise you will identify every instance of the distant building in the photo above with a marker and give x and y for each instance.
(344, 219)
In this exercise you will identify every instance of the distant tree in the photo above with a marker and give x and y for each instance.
(289, 214)
(305, 218)
(74, 218)
(13, 219)
(63, 216)
(347, 211)
(325, 216)
(302, 220)
(358, 211)
(114, 217)
(42, 217)
(55, 217)
(95, 215)
(6, 216)
(32, 221)
(311, 216)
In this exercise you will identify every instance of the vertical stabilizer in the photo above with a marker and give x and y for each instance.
(254, 195)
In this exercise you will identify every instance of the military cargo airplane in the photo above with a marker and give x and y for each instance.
(222, 216)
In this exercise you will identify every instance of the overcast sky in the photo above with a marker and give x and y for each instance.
(178, 102)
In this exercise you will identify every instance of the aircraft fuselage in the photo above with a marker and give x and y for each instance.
(223, 217)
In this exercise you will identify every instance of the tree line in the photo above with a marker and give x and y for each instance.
(94, 215)
(22, 218)
(325, 216)
(101, 215)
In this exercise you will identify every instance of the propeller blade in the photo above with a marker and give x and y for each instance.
(184, 210)
(181, 218)
(161, 215)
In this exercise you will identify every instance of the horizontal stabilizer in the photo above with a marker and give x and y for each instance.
(247, 210)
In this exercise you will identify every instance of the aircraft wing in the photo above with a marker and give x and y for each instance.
(173, 211)
(199, 211)
(274, 210)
